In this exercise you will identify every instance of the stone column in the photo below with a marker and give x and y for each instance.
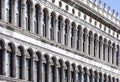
(39, 22)
(56, 30)
(75, 41)
(48, 26)
(69, 73)
(74, 78)
(69, 36)
(97, 76)
(106, 52)
(87, 76)
(86, 43)
(55, 72)
(92, 46)
(13, 64)
(93, 77)
(114, 55)
(82, 75)
(97, 45)
(62, 32)
(81, 41)
(110, 54)
(101, 50)
(23, 21)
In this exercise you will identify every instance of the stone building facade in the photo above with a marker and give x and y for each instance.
(58, 41)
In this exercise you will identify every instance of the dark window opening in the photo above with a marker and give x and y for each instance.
(28, 15)
(19, 7)
(52, 27)
(45, 23)
(10, 11)
(37, 19)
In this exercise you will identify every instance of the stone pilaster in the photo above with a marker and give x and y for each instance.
(69, 35)
(62, 33)
(81, 41)
(106, 52)
(56, 30)
(92, 46)
(101, 50)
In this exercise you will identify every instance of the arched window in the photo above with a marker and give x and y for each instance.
(85, 40)
(100, 47)
(95, 45)
(19, 8)
(9, 60)
(73, 35)
(45, 22)
(37, 19)
(104, 49)
(28, 65)
(66, 31)
(28, 13)
(19, 63)
(45, 68)
(90, 42)
(109, 51)
(60, 21)
(52, 26)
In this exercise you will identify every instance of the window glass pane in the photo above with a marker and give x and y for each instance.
(8, 63)
(18, 67)
(44, 72)
(58, 74)
(27, 69)
(51, 73)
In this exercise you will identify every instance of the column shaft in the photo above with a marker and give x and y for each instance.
(23, 21)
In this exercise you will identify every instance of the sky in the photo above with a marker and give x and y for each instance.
(114, 4)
